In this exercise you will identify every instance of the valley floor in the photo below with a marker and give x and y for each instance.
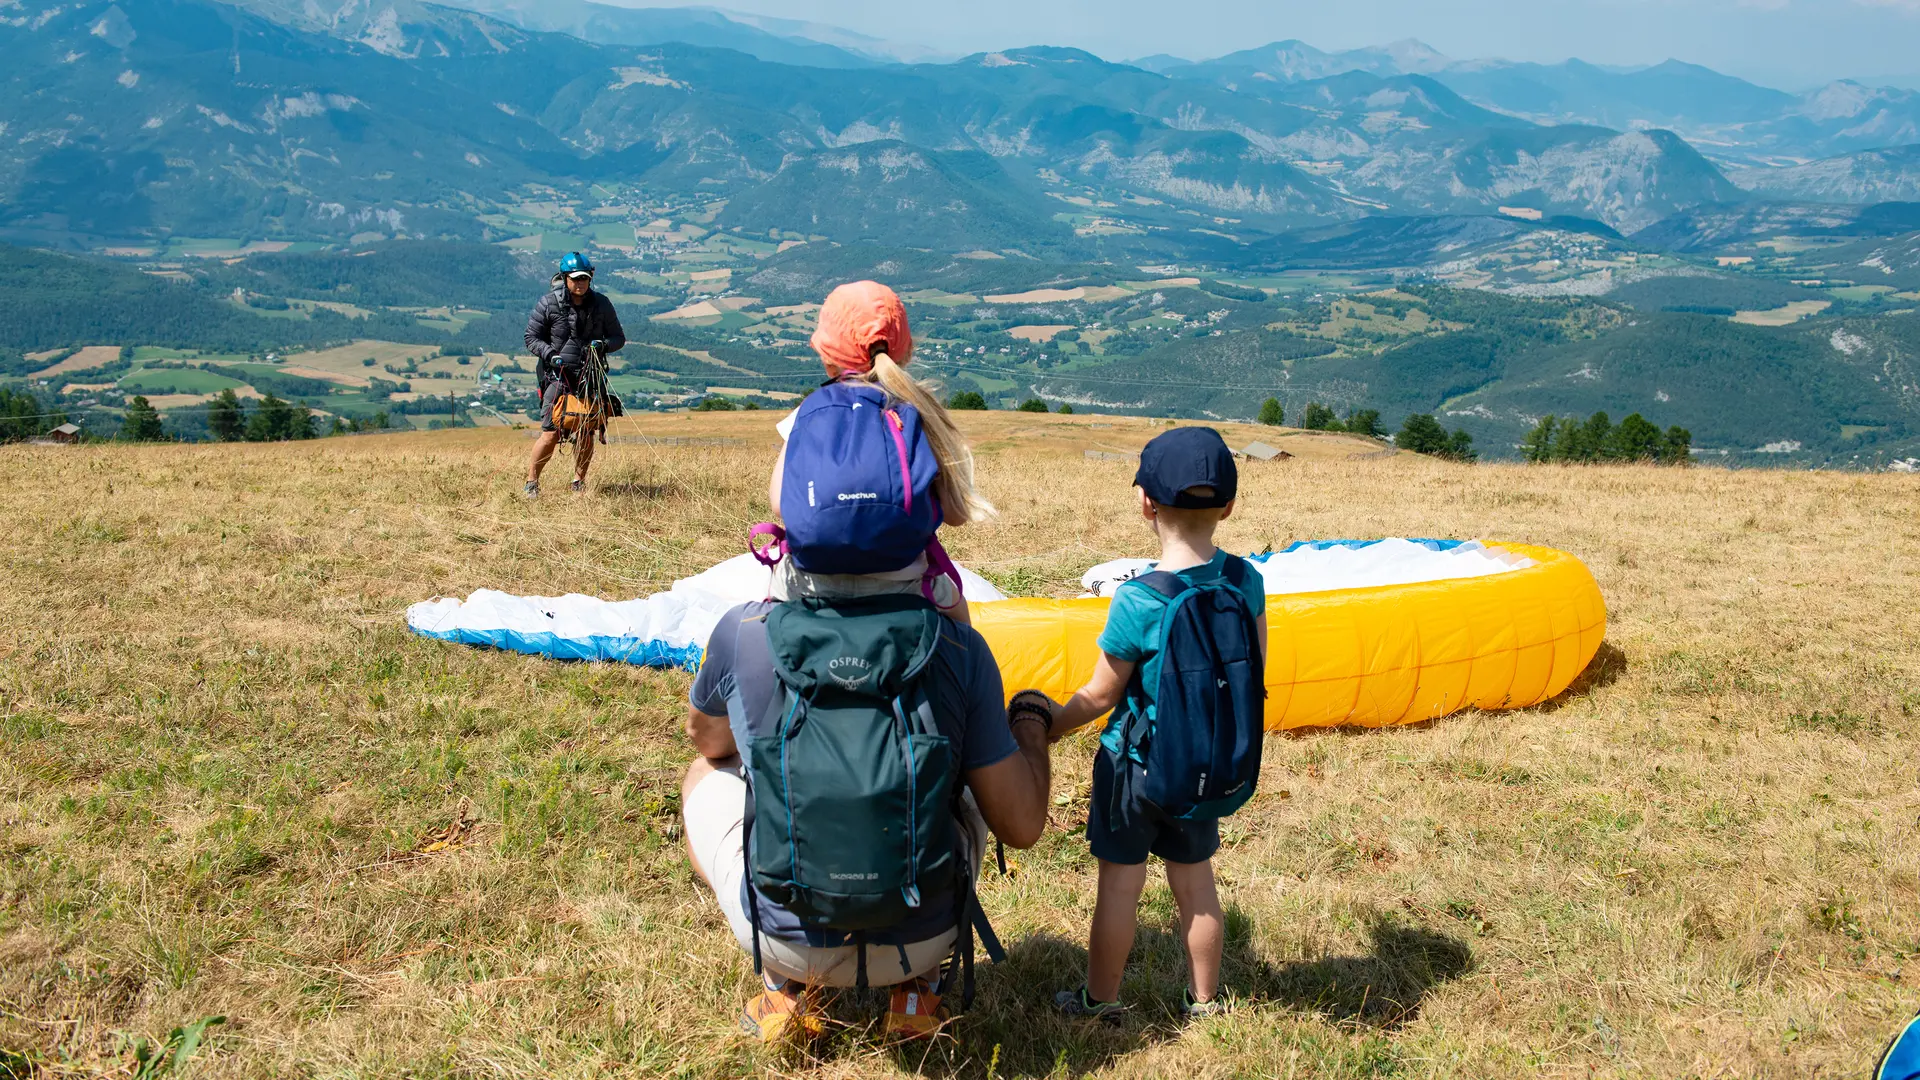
(227, 764)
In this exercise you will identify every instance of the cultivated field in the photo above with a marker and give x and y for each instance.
(85, 359)
(1785, 315)
(348, 360)
(233, 784)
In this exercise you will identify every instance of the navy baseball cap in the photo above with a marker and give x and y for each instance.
(1185, 458)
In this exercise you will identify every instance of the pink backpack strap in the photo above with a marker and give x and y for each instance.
(897, 428)
(768, 542)
(939, 565)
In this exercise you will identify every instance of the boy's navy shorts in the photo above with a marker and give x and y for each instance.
(1128, 829)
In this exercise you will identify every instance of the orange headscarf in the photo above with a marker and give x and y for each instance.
(855, 317)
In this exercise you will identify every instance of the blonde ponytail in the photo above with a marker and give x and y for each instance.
(960, 502)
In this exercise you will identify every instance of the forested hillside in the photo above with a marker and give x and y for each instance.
(48, 301)
(1841, 389)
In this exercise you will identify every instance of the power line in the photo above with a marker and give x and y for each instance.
(1005, 373)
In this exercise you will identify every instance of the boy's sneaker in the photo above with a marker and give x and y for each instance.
(579, 486)
(533, 489)
(1081, 1005)
(786, 1014)
(915, 1011)
(1200, 1010)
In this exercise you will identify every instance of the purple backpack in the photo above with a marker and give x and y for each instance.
(857, 491)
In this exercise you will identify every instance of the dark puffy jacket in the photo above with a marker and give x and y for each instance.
(558, 332)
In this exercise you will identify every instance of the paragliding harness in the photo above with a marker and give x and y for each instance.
(854, 797)
(586, 403)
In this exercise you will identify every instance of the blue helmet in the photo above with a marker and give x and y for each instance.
(576, 263)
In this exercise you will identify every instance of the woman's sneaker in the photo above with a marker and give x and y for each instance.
(1081, 1005)
(1200, 1010)
(788, 1014)
(915, 1011)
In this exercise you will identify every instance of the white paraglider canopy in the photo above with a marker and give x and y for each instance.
(670, 629)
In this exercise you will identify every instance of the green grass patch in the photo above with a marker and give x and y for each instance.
(612, 233)
(177, 381)
(1837, 722)
(556, 242)
(190, 245)
(641, 384)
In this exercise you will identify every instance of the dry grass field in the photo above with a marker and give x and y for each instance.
(1785, 315)
(85, 359)
(233, 784)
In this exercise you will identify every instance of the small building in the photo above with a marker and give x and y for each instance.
(65, 433)
(1259, 451)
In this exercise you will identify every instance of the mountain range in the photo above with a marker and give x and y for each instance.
(129, 119)
(1730, 119)
(271, 119)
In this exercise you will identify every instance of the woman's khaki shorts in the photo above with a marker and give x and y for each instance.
(714, 812)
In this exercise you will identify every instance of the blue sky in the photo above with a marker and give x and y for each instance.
(1791, 44)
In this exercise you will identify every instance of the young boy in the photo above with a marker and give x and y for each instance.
(1187, 483)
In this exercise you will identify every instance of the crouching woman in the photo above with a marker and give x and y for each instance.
(854, 745)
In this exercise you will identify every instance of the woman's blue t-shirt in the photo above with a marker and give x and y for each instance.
(1133, 624)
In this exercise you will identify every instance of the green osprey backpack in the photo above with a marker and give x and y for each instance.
(853, 791)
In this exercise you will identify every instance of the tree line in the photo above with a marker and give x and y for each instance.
(23, 416)
(229, 420)
(1318, 417)
(1553, 439)
(1597, 438)
(974, 401)
(1419, 432)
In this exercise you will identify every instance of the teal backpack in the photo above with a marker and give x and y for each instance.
(853, 792)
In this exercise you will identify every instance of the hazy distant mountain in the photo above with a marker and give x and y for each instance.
(1870, 176)
(606, 24)
(1845, 117)
(1297, 61)
(1160, 63)
(1410, 144)
(1729, 118)
(1665, 95)
(873, 48)
(379, 23)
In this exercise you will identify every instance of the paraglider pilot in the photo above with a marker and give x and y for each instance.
(567, 321)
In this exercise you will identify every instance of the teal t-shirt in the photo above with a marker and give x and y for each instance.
(1133, 624)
